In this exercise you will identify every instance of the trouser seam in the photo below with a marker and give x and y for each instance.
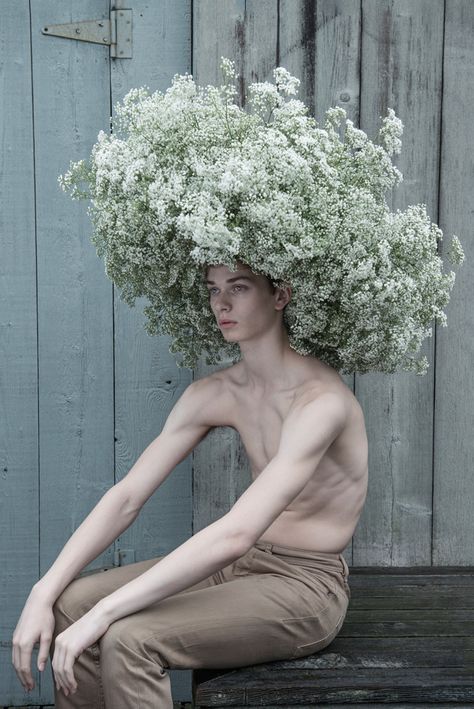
(160, 665)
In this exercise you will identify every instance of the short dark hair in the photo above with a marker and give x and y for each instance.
(270, 283)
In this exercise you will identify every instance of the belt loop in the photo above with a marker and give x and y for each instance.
(265, 546)
(344, 565)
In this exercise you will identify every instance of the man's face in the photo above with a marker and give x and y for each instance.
(243, 298)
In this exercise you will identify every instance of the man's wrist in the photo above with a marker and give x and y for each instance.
(107, 610)
(44, 593)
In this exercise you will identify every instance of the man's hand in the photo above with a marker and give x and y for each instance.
(36, 623)
(72, 642)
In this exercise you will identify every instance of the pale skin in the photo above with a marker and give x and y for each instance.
(304, 434)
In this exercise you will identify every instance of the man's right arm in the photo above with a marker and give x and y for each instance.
(193, 415)
(187, 424)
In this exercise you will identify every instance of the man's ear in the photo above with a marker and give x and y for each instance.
(283, 296)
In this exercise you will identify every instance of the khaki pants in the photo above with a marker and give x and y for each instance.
(273, 603)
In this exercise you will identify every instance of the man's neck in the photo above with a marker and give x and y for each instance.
(269, 368)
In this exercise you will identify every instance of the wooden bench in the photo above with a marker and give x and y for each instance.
(407, 641)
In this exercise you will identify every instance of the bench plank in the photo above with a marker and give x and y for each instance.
(337, 685)
(407, 641)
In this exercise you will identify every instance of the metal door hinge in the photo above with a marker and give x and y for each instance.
(115, 32)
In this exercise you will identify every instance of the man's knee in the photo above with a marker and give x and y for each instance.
(119, 636)
(74, 601)
(126, 638)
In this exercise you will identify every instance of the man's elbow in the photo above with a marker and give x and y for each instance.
(239, 537)
(121, 502)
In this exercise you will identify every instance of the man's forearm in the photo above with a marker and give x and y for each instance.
(100, 528)
(203, 554)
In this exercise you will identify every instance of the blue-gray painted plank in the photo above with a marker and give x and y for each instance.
(147, 379)
(320, 44)
(453, 478)
(18, 343)
(75, 319)
(402, 48)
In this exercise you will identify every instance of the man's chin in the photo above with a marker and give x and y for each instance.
(228, 330)
(230, 336)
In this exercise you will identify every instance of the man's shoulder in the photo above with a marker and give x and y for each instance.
(321, 396)
(211, 383)
(318, 396)
(209, 396)
(326, 382)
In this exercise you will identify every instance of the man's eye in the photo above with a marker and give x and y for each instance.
(237, 286)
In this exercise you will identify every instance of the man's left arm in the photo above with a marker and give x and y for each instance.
(306, 435)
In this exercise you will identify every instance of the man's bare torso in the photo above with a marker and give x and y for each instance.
(324, 515)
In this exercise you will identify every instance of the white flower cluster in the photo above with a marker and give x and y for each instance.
(196, 180)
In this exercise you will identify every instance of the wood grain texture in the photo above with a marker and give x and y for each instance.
(71, 93)
(411, 650)
(453, 474)
(19, 468)
(319, 42)
(89, 388)
(401, 67)
(85, 389)
(366, 57)
(147, 379)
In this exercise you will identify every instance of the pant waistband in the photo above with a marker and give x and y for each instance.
(308, 558)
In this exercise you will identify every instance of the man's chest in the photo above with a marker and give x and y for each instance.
(260, 428)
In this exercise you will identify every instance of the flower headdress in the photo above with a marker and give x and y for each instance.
(196, 180)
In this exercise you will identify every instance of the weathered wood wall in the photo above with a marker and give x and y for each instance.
(83, 387)
(366, 56)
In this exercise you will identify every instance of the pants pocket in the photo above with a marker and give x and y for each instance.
(314, 632)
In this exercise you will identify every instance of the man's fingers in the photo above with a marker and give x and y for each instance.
(56, 665)
(72, 684)
(16, 658)
(62, 672)
(16, 663)
(25, 667)
(43, 652)
(67, 674)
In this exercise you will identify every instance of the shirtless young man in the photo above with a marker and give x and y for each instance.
(304, 433)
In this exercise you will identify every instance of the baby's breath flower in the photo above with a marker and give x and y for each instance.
(188, 178)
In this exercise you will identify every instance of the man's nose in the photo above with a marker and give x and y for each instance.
(222, 301)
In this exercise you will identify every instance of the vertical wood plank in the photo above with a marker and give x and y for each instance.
(82, 355)
(296, 41)
(19, 542)
(401, 68)
(453, 483)
(247, 33)
(320, 44)
(148, 381)
(75, 324)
